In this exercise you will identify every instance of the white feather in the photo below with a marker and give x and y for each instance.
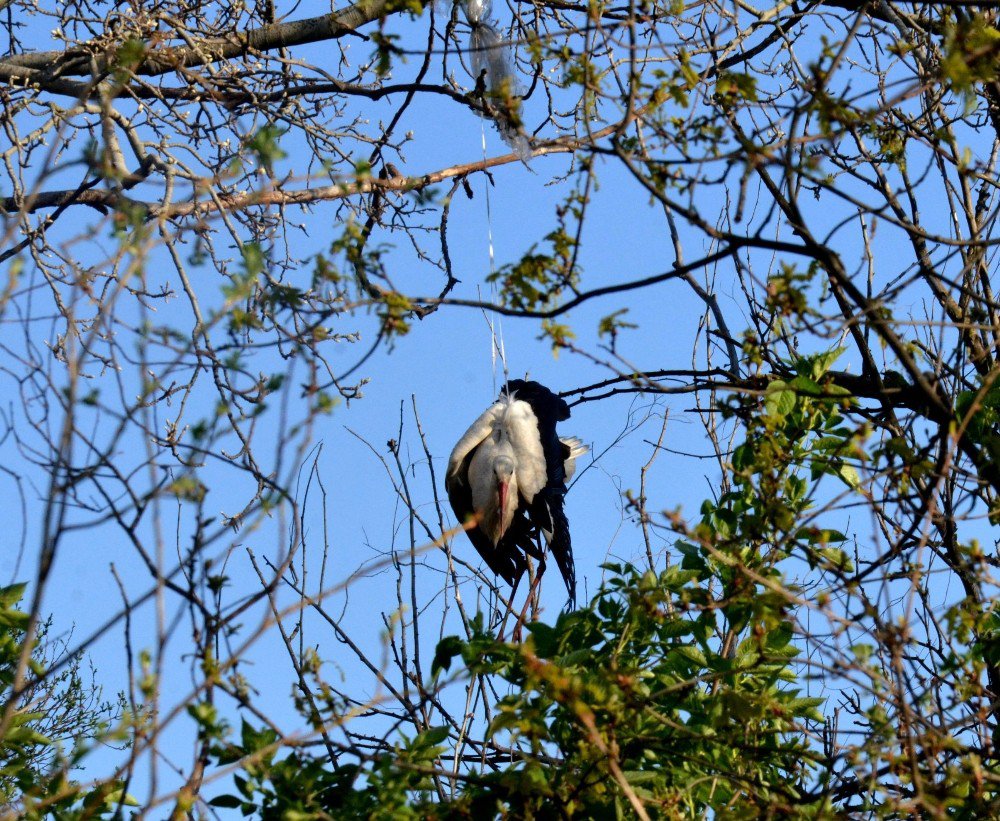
(521, 427)
(576, 450)
(476, 433)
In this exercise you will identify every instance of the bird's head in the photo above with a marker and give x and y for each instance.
(503, 469)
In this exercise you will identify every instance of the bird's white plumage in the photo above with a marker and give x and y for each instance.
(505, 447)
(519, 425)
(476, 433)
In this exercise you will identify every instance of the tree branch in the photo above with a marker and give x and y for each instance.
(167, 59)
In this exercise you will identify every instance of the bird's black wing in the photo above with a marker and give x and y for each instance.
(522, 535)
(504, 559)
(548, 514)
(543, 401)
(546, 508)
(548, 409)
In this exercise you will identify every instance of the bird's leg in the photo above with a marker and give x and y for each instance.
(520, 566)
(516, 632)
(534, 593)
(536, 590)
(510, 606)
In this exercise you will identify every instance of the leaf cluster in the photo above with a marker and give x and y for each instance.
(58, 708)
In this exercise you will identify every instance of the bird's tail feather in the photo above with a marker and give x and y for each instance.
(573, 449)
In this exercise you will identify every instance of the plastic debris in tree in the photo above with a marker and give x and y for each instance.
(494, 72)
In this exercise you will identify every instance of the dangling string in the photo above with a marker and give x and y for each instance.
(493, 69)
(497, 348)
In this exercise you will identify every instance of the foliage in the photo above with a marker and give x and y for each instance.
(636, 701)
(49, 728)
(629, 697)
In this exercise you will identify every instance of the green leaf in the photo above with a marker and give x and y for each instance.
(807, 707)
(806, 386)
(747, 654)
(14, 619)
(12, 594)
(731, 87)
(862, 652)
(838, 558)
(612, 324)
(823, 362)
(692, 654)
(264, 144)
(779, 401)
(693, 558)
(676, 628)
(446, 650)
(822, 536)
(256, 740)
(849, 475)
(226, 801)
(431, 737)
(545, 639)
(779, 637)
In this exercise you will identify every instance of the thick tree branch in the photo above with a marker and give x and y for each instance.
(166, 59)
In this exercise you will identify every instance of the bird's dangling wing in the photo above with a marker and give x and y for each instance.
(506, 562)
(548, 514)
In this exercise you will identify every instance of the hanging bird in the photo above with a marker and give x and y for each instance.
(508, 475)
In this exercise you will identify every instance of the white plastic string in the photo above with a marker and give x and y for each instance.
(497, 348)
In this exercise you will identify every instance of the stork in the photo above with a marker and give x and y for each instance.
(506, 480)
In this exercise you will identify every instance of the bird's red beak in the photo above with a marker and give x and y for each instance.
(502, 491)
